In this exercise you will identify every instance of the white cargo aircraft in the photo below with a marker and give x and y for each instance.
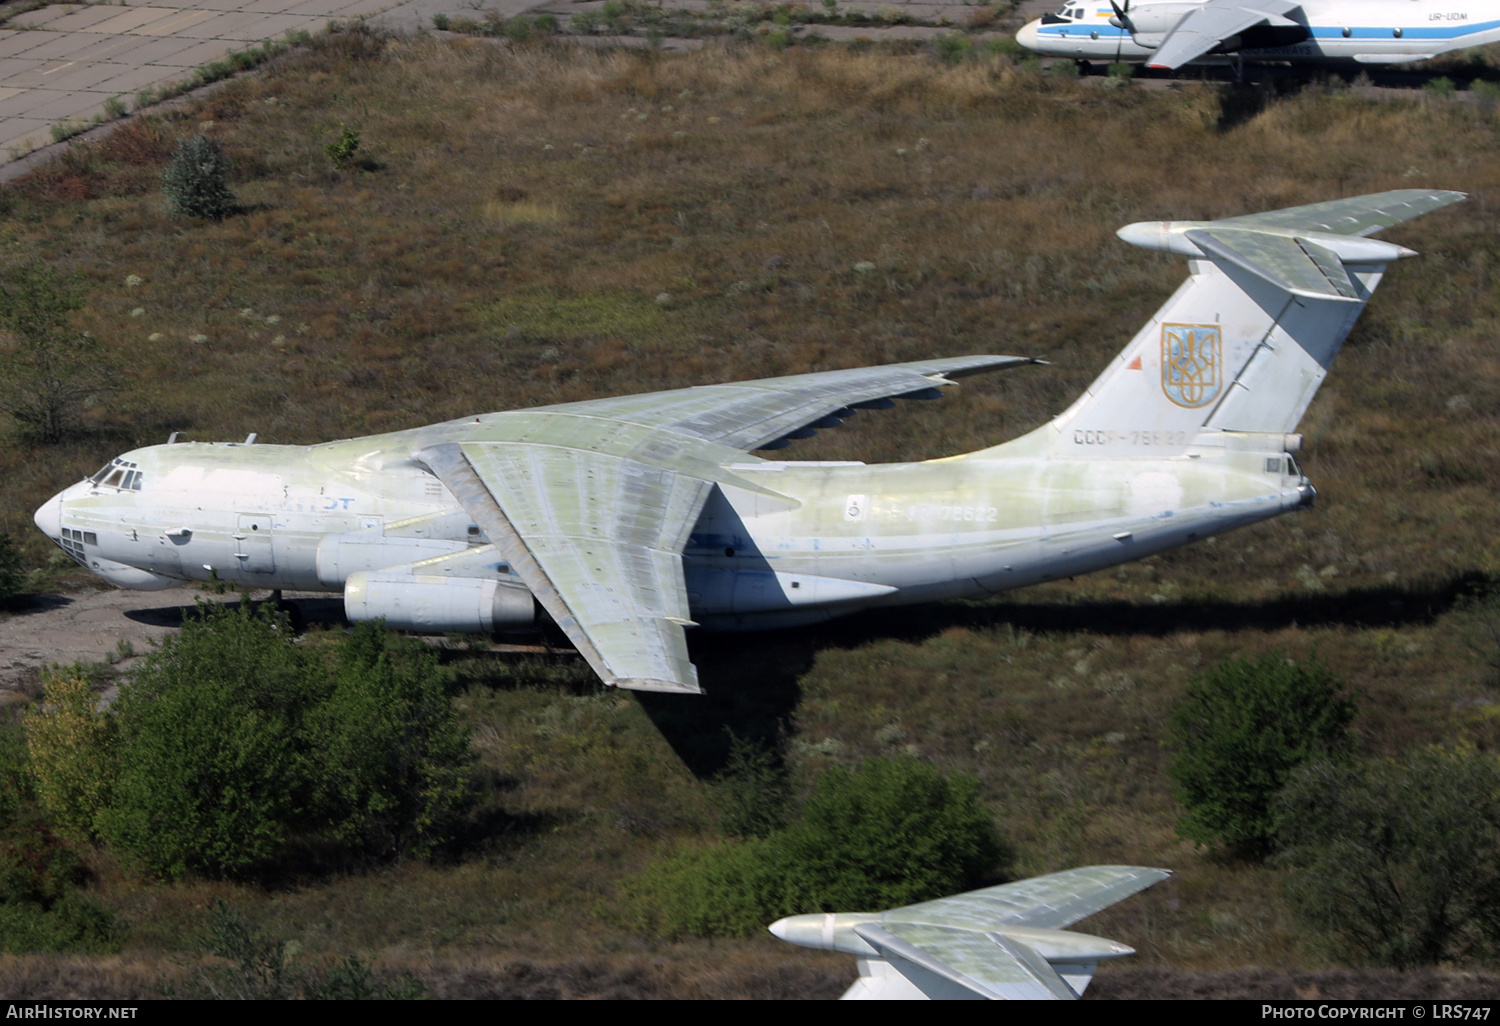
(1171, 33)
(628, 520)
(1004, 943)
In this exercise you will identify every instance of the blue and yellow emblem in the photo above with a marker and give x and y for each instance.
(1192, 361)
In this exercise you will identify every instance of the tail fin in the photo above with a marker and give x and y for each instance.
(1245, 342)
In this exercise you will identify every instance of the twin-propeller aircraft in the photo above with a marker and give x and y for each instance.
(1171, 33)
(629, 520)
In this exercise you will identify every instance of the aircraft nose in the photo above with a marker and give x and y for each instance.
(1027, 34)
(48, 517)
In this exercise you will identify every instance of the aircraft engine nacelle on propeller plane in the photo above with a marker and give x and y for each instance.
(627, 521)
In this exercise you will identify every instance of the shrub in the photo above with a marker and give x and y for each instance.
(12, 575)
(1399, 862)
(952, 47)
(891, 833)
(1441, 86)
(1239, 732)
(197, 180)
(392, 773)
(341, 150)
(232, 738)
(751, 792)
(48, 371)
(210, 766)
(440, 22)
(72, 749)
(40, 907)
(518, 29)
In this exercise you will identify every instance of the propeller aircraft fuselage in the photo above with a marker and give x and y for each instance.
(1171, 33)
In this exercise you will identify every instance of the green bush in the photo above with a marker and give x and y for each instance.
(341, 150)
(232, 738)
(391, 769)
(72, 748)
(518, 29)
(1398, 862)
(12, 574)
(1441, 86)
(40, 907)
(952, 47)
(211, 768)
(891, 833)
(751, 792)
(1239, 732)
(197, 180)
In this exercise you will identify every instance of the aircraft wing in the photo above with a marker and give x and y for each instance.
(1361, 215)
(591, 503)
(598, 540)
(750, 414)
(945, 962)
(1051, 902)
(1205, 27)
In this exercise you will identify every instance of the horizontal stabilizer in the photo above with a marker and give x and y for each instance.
(999, 943)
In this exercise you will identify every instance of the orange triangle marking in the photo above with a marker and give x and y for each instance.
(1134, 364)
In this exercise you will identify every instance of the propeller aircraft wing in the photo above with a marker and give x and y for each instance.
(1205, 27)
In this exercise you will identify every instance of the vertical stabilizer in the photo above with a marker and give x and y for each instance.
(1245, 342)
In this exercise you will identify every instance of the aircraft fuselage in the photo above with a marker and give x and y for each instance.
(818, 540)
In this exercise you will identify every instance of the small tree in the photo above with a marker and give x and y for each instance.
(12, 577)
(210, 769)
(1239, 732)
(197, 180)
(889, 833)
(391, 763)
(71, 743)
(48, 370)
(1399, 862)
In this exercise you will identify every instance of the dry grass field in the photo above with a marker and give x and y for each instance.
(526, 225)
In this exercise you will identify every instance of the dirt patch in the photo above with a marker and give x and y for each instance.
(102, 625)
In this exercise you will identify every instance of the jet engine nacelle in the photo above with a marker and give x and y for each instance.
(436, 604)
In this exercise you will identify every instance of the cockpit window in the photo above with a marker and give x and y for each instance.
(118, 473)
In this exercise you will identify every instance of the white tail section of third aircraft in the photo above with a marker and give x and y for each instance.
(1245, 342)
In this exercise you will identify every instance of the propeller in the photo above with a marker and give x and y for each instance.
(1121, 20)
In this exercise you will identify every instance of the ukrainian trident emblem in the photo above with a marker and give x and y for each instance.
(1192, 360)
